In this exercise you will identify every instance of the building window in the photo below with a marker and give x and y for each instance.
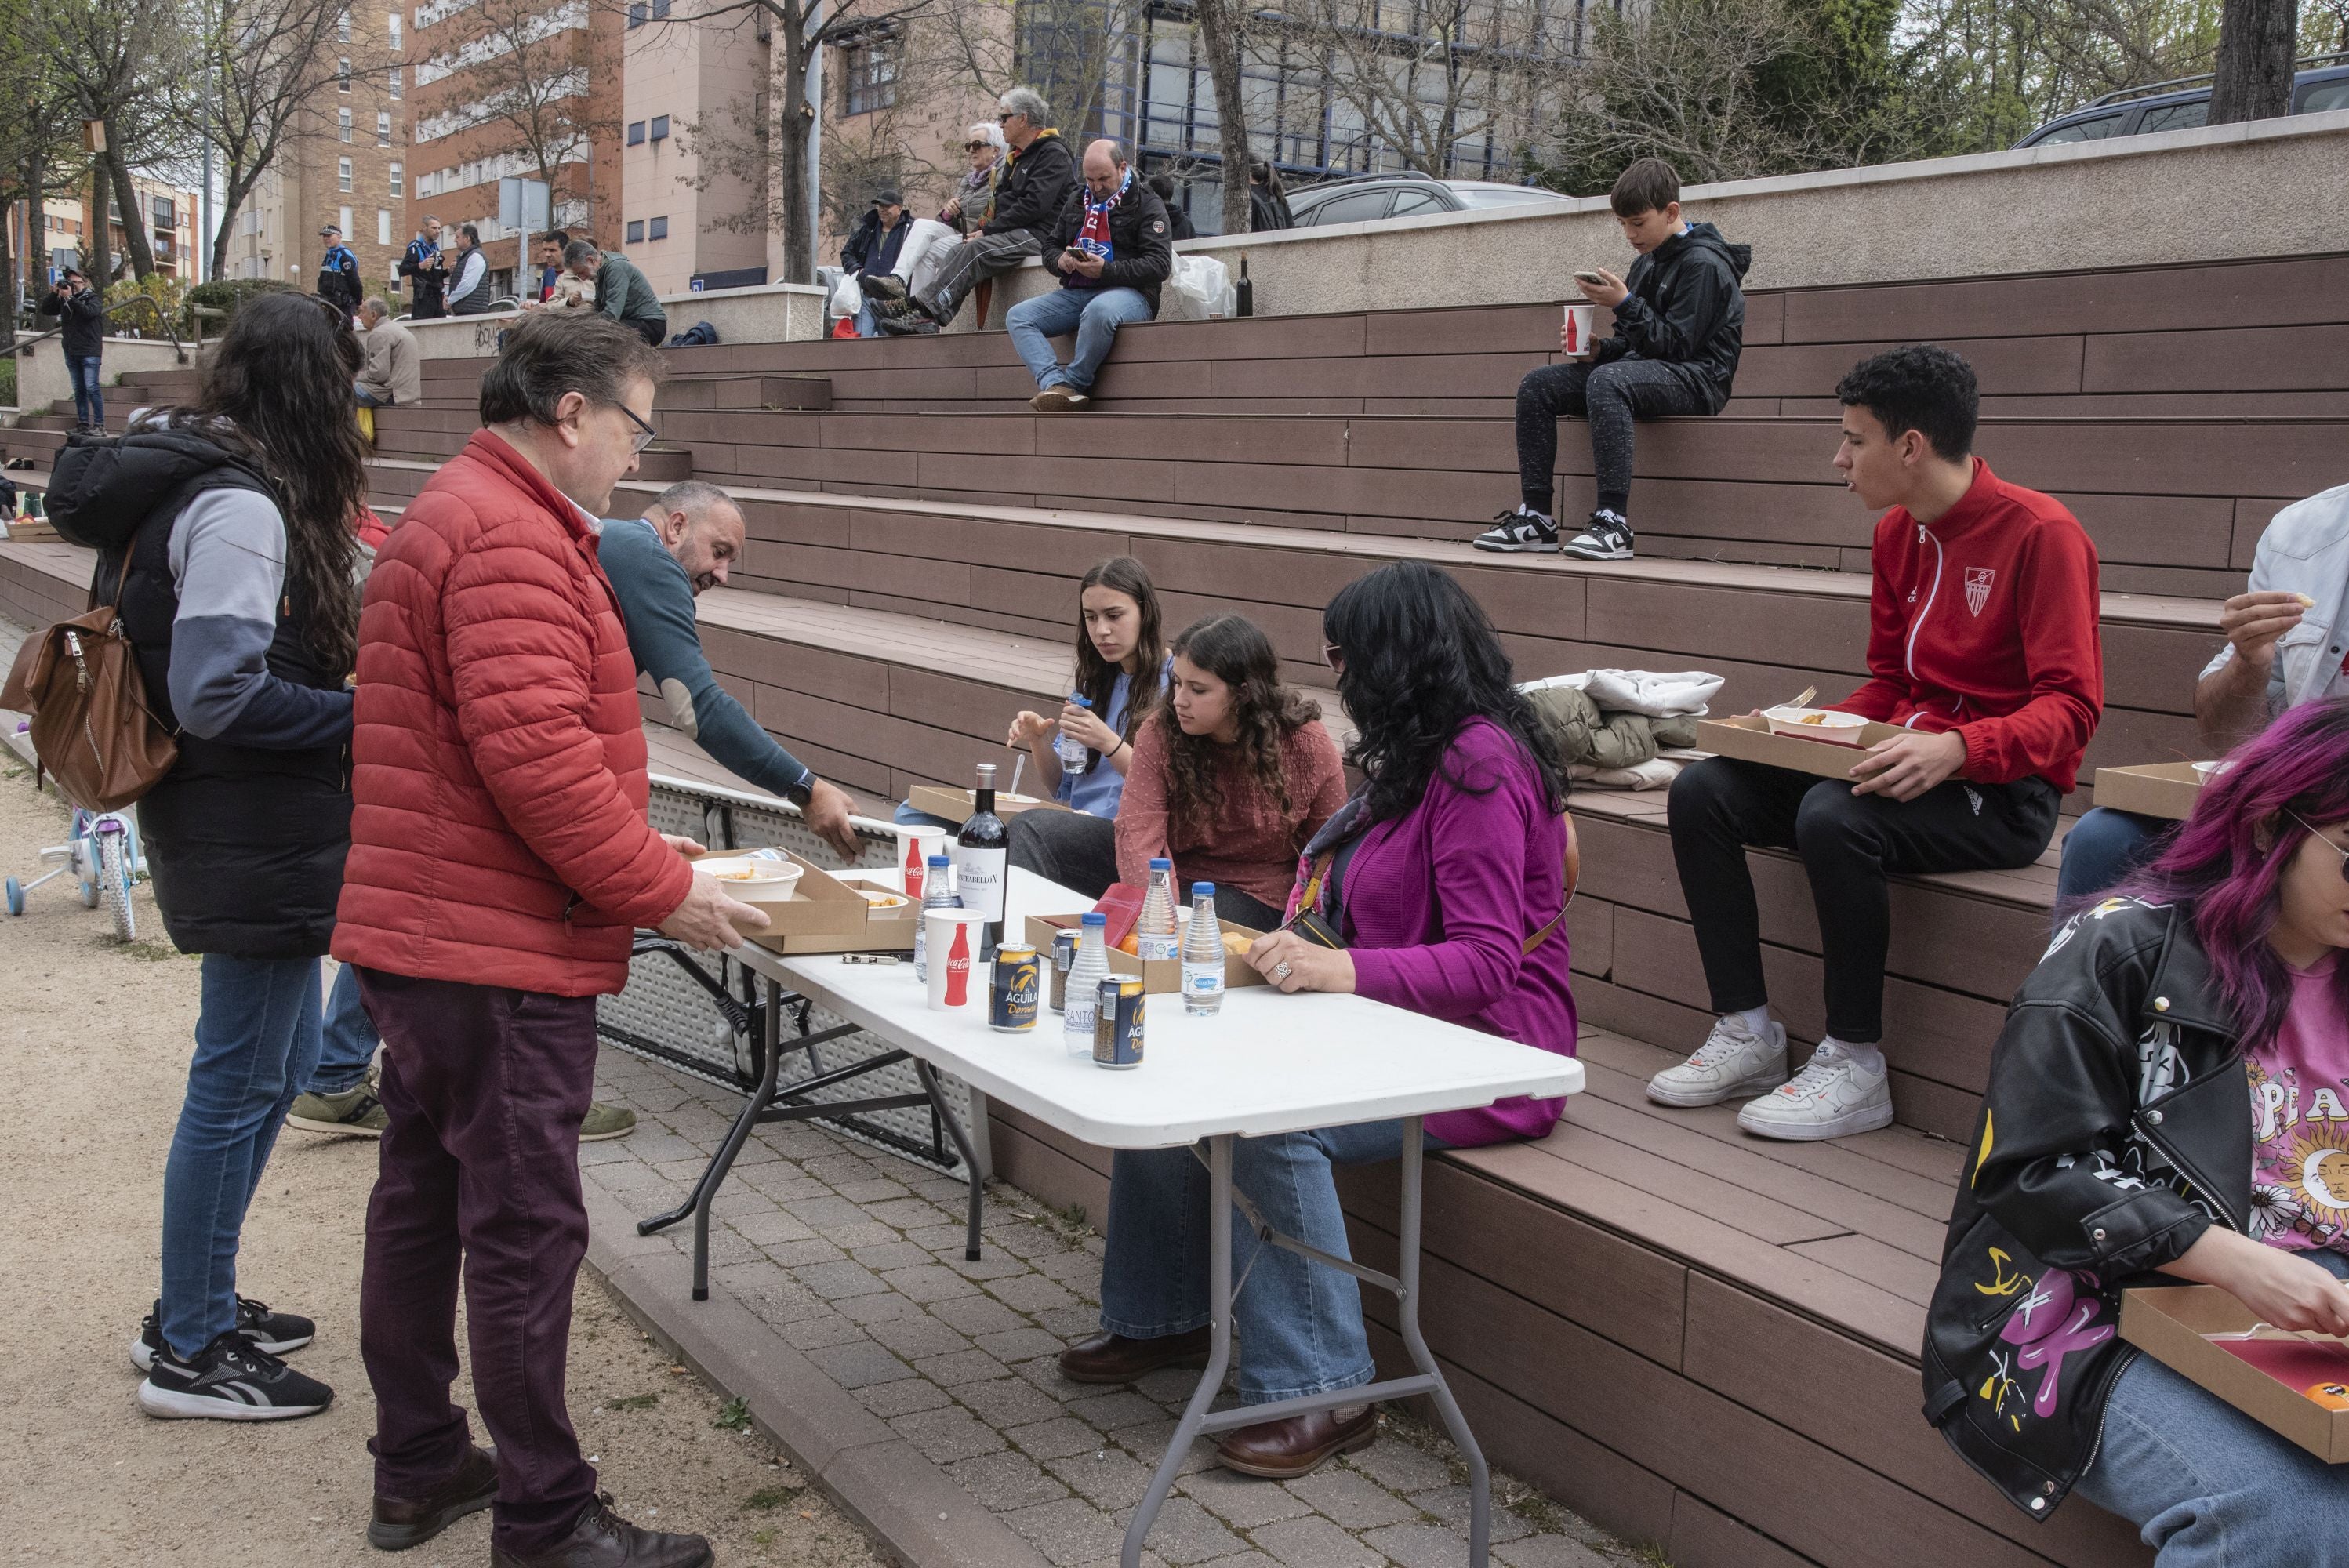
(635, 133)
(637, 12)
(872, 74)
(346, 223)
(343, 123)
(342, 28)
(383, 128)
(343, 177)
(395, 83)
(659, 230)
(635, 232)
(166, 214)
(394, 20)
(383, 225)
(398, 177)
(660, 128)
(342, 75)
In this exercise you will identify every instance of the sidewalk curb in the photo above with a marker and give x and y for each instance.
(915, 1512)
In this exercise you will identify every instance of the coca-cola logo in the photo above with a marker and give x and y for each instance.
(958, 968)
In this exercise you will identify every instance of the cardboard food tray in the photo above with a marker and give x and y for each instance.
(1160, 977)
(954, 805)
(2157, 789)
(1750, 740)
(2169, 1323)
(827, 914)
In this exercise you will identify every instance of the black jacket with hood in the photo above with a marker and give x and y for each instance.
(1685, 310)
(2116, 1130)
(83, 316)
(1036, 183)
(245, 844)
(1142, 251)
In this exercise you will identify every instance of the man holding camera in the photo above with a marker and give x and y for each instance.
(83, 315)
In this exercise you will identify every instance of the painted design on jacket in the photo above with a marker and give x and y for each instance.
(2052, 1320)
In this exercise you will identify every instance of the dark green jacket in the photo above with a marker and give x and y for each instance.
(622, 292)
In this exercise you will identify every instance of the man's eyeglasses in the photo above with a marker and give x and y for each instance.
(1334, 656)
(1006, 118)
(646, 434)
(2325, 842)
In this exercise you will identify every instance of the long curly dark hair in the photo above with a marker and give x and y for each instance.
(277, 388)
(1418, 658)
(1234, 650)
(1096, 676)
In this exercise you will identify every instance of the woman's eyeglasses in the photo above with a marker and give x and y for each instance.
(1334, 656)
(974, 146)
(2325, 842)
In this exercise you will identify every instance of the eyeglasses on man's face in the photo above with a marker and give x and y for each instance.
(646, 434)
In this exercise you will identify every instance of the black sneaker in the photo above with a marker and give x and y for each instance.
(885, 285)
(273, 1333)
(1524, 530)
(1608, 538)
(230, 1380)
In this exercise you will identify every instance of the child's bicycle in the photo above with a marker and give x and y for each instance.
(103, 856)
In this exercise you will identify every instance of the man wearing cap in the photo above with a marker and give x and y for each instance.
(880, 235)
(338, 274)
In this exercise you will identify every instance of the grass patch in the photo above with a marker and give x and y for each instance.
(734, 1416)
(151, 951)
(773, 1497)
(633, 1402)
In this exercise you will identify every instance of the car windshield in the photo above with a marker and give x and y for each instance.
(1505, 196)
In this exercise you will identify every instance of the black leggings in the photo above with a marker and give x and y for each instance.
(1610, 396)
(1848, 843)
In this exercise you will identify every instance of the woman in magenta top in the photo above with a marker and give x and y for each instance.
(1441, 872)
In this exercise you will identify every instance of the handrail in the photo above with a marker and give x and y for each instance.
(162, 319)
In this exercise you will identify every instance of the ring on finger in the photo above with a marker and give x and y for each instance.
(1281, 970)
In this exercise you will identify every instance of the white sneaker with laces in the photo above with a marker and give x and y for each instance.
(1733, 1062)
(1832, 1096)
(1522, 532)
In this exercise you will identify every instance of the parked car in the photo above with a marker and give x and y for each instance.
(1367, 198)
(2321, 84)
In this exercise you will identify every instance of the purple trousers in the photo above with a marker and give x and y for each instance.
(480, 1170)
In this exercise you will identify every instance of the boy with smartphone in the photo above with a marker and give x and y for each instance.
(1679, 323)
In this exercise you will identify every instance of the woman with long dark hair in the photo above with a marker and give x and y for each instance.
(2168, 1101)
(1120, 673)
(1231, 776)
(1446, 877)
(227, 528)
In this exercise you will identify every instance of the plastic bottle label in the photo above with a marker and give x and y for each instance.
(1155, 947)
(1203, 979)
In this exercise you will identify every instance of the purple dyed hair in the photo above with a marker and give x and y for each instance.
(2217, 870)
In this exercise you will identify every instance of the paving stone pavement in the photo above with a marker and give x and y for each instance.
(854, 1256)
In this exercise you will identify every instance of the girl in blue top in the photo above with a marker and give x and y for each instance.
(1119, 644)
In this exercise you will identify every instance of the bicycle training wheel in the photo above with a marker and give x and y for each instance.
(114, 884)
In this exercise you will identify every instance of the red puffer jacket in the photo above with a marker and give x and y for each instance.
(499, 835)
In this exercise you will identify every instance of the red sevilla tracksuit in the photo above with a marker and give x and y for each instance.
(1984, 622)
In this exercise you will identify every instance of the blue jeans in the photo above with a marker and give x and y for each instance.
(1299, 1325)
(256, 1041)
(347, 1050)
(906, 816)
(2102, 849)
(89, 402)
(1094, 315)
(2206, 1486)
(368, 399)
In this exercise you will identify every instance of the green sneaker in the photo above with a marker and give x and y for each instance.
(357, 1111)
(605, 1121)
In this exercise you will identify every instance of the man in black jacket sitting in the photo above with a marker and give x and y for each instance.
(1036, 183)
(1111, 247)
(82, 314)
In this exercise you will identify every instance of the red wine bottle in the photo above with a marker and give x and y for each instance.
(982, 854)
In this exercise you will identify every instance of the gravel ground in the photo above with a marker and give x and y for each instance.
(93, 1044)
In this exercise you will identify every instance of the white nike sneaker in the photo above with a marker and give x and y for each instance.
(1832, 1096)
(1731, 1064)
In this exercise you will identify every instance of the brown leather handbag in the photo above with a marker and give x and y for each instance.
(93, 729)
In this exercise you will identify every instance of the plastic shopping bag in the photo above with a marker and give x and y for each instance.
(1199, 287)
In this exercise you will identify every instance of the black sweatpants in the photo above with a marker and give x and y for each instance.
(1610, 396)
(1848, 843)
(1079, 852)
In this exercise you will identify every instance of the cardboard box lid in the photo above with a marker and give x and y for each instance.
(1750, 740)
(954, 805)
(2151, 789)
(2172, 1325)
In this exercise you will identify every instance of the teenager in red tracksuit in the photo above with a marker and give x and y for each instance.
(1982, 644)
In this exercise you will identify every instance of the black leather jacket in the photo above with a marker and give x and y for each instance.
(2116, 1130)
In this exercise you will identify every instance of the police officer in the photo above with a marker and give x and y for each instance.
(338, 274)
(426, 272)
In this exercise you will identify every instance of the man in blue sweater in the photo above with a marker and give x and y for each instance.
(685, 545)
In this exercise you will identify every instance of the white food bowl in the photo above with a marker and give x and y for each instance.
(752, 879)
(1816, 724)
(2206, 771)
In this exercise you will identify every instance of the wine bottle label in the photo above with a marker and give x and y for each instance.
(979, 877)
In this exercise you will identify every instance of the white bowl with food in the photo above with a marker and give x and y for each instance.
(1816, 724)
(752, 879)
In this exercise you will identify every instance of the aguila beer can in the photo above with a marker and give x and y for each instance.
(1011, 1000)
(1117, 1026)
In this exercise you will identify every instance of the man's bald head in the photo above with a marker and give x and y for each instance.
(702, 528)
(1104, 168)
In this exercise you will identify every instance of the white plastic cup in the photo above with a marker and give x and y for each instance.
(920, 843)
(958, 982)
(1578, 329)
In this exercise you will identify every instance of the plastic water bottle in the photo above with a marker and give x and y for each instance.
(1085, 975)
(1154, 932)
(1202, 955)
(1074, 754)
(937, 893)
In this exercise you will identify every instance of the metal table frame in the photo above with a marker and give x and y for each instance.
(765, 1102)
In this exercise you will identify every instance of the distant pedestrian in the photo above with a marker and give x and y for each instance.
(426, 272)
(392, 375)
(1268, 199)
(622, 292)
(338, 274)
(469, 281)
(1178, 222)
(83, 315)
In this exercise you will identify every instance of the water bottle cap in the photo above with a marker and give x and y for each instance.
(1081, 699)
(1160, 863)
(1096, 917)
(940, 860)
(1203, 890)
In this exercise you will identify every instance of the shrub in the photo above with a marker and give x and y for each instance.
(229, 294)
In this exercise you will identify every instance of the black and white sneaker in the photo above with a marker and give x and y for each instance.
(273, 1333)
(1608, 538)
(230, 1380)
(1524, 530)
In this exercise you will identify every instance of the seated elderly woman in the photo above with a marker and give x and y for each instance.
(2166, 1105)
(1446, 877)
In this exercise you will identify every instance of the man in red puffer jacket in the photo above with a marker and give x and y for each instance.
(501, 858)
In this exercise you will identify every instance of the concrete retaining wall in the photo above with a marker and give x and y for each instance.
(774, 312)
(41, 373)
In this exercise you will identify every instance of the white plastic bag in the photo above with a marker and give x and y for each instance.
(847, 296)
(1199, 287)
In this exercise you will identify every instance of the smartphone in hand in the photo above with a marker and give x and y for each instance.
(1598, 278)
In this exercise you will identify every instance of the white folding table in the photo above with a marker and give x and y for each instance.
(1269, 1063)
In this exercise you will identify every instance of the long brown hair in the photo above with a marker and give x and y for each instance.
(1234, 650)
(1096, 676)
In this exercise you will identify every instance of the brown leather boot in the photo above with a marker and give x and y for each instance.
(602, 1538)
(1109, 1358)
(1283, 1451)
(401, 1522)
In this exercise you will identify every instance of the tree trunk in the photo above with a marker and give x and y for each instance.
(236, 188)
(792, 117)
(1219, 40)
(135, 238)
(96, 252)
(2255, 46)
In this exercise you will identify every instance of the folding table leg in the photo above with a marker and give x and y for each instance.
(1480, 1480)
(715, 1176)
(1219, 1350)
(962, 1146)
